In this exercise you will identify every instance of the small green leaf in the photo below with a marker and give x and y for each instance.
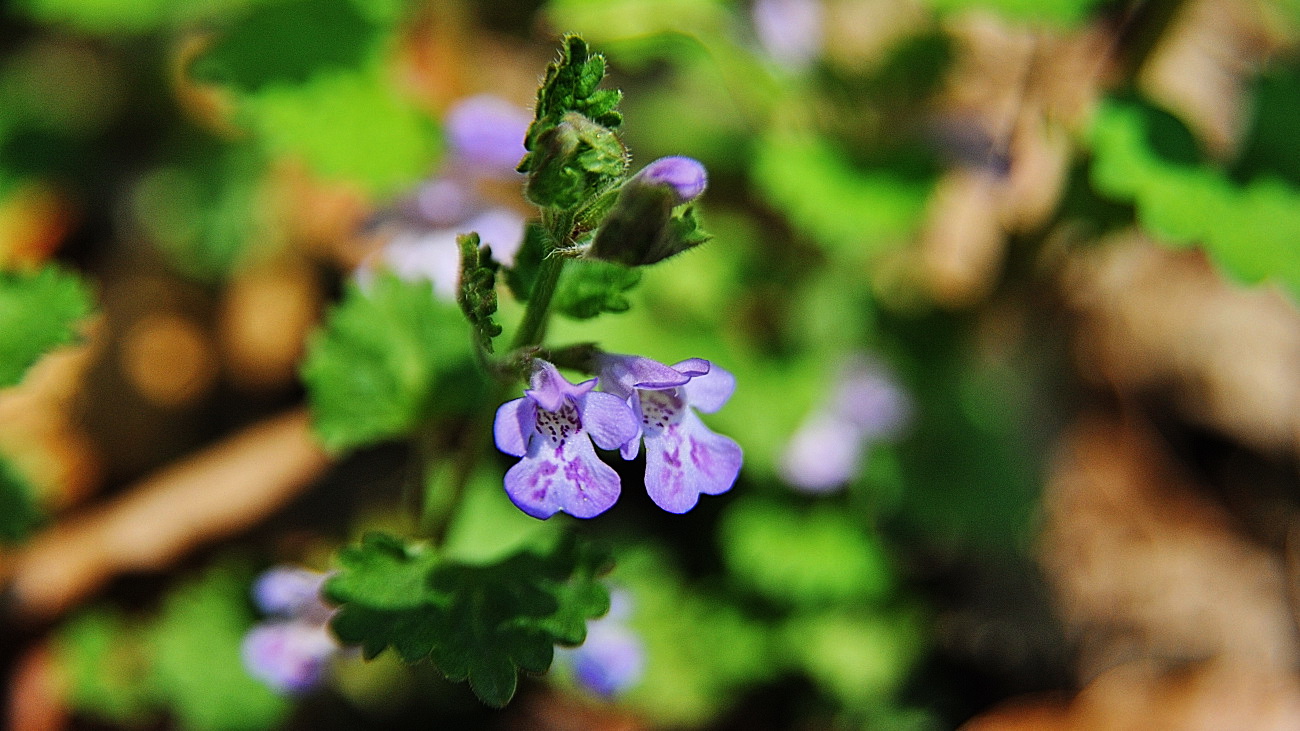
(484, 623)
(388, 359)
(589, 287)
(477, 294)
(38, 312)
(19, 513)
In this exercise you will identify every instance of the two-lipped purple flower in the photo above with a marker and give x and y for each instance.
(291, 651)
(554, 425)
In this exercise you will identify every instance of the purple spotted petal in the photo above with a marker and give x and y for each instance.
(710, 391)
(685, 460)
(549, 388)
(620, 374)
(287, 590)
(515, 422)
(608, 419)
(291, 657)
(569, 478)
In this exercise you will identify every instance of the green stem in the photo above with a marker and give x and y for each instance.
(559, 228)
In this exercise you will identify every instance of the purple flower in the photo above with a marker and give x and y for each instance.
(686, 176)
(612, 658)
(790, 30)
(552, 427)
(288, 655)
(828, 449)
(290, 591)
(684, 458)
(486, 134)
(434, 255)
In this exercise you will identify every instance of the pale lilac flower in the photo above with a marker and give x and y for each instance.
(684, 458)
(290, 652)
(685, 176)
(290, 591)
(485, 135)
(612, 659)
(434, 255)
(790, 31)
(552, 427)
(290, 656)
(828, 450)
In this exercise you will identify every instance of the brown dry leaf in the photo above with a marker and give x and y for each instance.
(203, 498)
(1144, 565)
(1159, 320)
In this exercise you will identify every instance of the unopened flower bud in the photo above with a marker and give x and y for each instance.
(685, 176)
(643, 226)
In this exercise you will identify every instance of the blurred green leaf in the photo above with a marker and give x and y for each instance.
(387, 359)
(99, 655)
(100, 16)
(288, 43)
(701, 652)
(19, 513)
(197, 669)
(349, 126)
(846, 209)
(210, 215)
(39, 311)
(484, 623)
(1144, 155)
(1065, 13)
(589, 287)
(803, 557)
(857, 657)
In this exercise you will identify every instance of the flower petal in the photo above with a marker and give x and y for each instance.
(569, 478)
(693, 367)
(824, 454)
(686, 460)
(620, 374)
(710, 391)
(515, 422)
(549, 388)
(608, 419)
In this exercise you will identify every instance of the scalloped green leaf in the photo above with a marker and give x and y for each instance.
(389, 357)
(481, 623)
(39, 311)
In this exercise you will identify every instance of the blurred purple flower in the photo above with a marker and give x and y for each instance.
(552, 427)
(290, 591)
(612, 659)
(686, 176)
(828, 449)
(290, 653)
(790, 31)
(433, 255)
(684, 458)
(485, 134)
